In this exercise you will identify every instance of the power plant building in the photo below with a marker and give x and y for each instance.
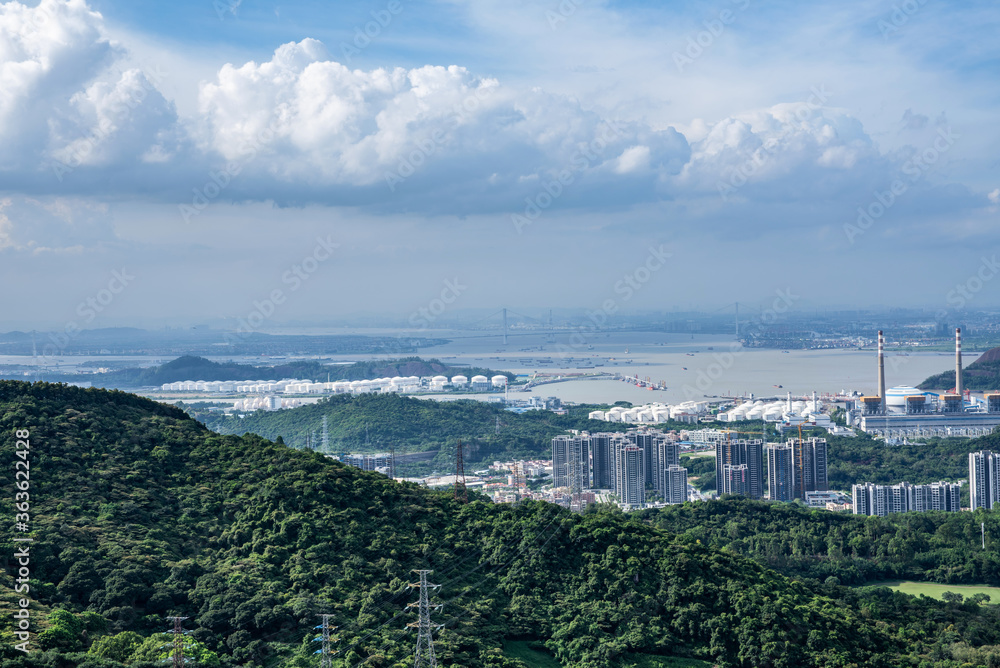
(907, 411)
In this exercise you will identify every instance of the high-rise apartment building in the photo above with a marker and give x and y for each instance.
(736, 452)
(675, 487)
(571, 463)
(780, 471)
(603, 460)
(984, 479)
(810, 458)
(881, 500)
(667, 453)
(630, 485)
(736, 479)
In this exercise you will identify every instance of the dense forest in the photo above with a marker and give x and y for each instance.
(190, 367)
(854, 549)
(983, 374)
(139, 512)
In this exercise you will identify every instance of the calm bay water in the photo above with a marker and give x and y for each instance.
(690, 367)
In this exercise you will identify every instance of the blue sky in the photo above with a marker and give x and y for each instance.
(534, 150)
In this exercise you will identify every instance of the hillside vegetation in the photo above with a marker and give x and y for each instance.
(374, 422)
(854, 549)
(983, 374)
(139, 513)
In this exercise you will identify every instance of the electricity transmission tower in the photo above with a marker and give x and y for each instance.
(326, 660)
(424, 656)
(461, 493)
(177, 653)
(326, 437)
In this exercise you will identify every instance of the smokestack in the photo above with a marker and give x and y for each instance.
(881, 372)
(958, 362)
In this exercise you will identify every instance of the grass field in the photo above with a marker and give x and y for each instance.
(525, 651)
(521, 649)
(934, 590)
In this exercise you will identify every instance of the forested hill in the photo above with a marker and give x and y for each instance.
(983, 374)
(139, 513)
(373, 422)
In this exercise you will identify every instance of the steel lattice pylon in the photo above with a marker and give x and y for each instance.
(326, 660)
(424, 656)
(177, 651)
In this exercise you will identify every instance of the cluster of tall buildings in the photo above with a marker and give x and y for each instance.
(881, 500)
(789, 470)
(984, 491)
(627, 464)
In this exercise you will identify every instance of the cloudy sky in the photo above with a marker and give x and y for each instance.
(355, 157)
